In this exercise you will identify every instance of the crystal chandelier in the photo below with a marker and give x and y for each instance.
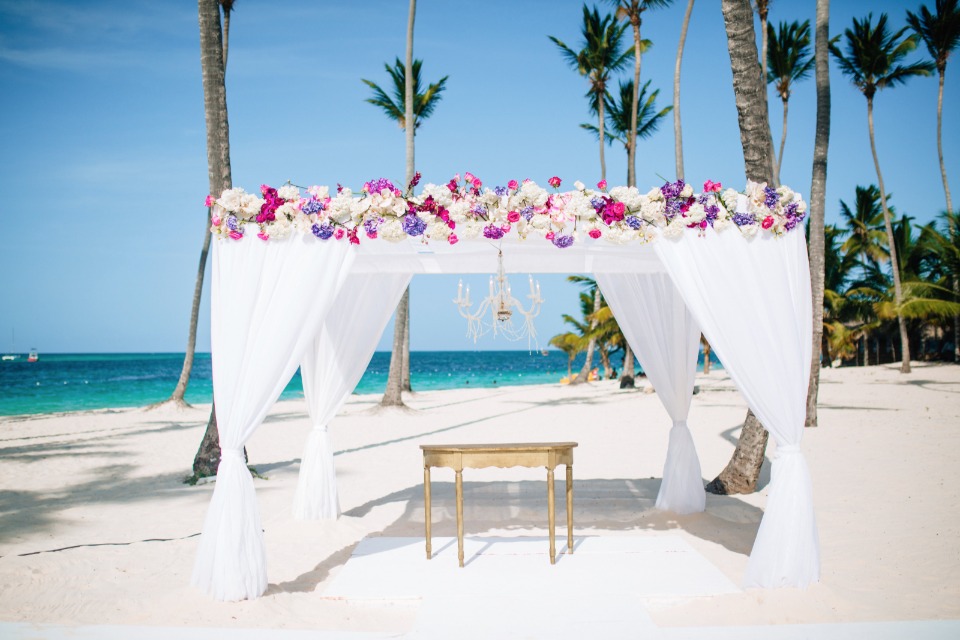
(500, 306)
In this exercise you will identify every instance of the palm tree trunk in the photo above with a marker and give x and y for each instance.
(894, 263)
(392, 395)
(605, 362)
(943, 168)
(778, 159)
(584, 374)
(774, 171)
(628, 375)
(603, 163)
(226, 36)
(743, 470)
(405, 374)
(706, 354)
(677, 131)
(632, 137)
(220, 179)
(395, 377)
(818, 190)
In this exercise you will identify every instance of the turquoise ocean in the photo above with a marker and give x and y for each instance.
(78, 382)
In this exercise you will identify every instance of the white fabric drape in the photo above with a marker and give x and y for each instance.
(666, 339)
(331, 368)
(262, 295)
(751, 297)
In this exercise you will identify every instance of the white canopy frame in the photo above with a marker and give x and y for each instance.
(721, 277)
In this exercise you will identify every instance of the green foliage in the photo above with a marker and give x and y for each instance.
(789, 58)
(424, 102)
(618, 113)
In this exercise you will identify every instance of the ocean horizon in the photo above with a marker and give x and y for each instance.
(61, 382)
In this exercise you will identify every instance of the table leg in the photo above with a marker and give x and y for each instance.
(551, 515)
(460, 517)
(570, 508)
(426, 508)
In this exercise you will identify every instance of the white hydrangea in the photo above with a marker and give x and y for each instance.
(653, 211)
(230, 199)
(729, 198)
(722, 222)
(459, 210)
(579, 206)
(696, 213)
(392, 231)
(320, 193)
(787, 195)
(687, 191)
(469, 230)
(629, 196)
(441, 195)
(749, 230)
(489, 198)
(532, 193)
(250, 205)
(655, 194)
(438, 231)
(675, 228)
(288, 192)
(288, 211)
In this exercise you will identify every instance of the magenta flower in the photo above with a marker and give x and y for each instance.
(235, 235)
(602, 185)
(711, 186)
(513, 185)
(554, 182)
(767, 222)
(513, 217)
(263, 236)
(452, 238)
(549, 235)
(338, 234)
(594, 233)
(209, 201)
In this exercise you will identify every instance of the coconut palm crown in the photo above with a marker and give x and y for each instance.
(424, 102)
(619, 114)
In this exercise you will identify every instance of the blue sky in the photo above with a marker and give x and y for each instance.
(103, 161)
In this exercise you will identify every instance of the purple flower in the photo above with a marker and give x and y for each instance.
(633, 222)
(371, 225)
(562, 242)
(712, 212)
(322, 231)
(500, 191)
(413, 225)
(790, 223)
(492, 232)
(672, 189)
(598, 204)
(479, 209)
(527, 213)
(743, 219)
(313, 206)
(771, 197)
(378, 185)
(232, 222)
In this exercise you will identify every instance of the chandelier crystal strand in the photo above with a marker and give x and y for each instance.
(501, 307)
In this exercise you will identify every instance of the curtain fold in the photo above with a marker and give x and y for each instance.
(666, 339)
(331, 368)
(262, 295)
(751, 297)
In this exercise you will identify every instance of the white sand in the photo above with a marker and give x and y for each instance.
(884, 466)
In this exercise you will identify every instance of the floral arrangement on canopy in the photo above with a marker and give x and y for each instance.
(465, 209)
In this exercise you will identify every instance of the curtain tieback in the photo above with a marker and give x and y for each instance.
(788, 450)
(236, 454)
(320, 428)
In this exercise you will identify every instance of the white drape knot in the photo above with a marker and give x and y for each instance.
(680, 423)
(320, 428)
(788, 450)
(236, 454)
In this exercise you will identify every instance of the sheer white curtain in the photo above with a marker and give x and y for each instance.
(751, 297)
(666, 339)
(331, 368)
(262, 295)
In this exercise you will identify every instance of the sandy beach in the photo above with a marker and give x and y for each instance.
(97, 526)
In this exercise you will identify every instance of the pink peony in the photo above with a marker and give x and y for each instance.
(594, 233)
(513, 185)
(236, 235)
(209, 201)
(602, 185)
(767, 222)
(554, 182)
(452, 238)
(513, 217)
(711, 186)
(549, 235)
(338, 234)
(619, 208)
(263, 236)
(215, 221)
(469, 177)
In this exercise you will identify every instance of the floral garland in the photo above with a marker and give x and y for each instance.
(461, 210)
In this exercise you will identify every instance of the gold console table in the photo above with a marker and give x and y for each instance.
(477, 456)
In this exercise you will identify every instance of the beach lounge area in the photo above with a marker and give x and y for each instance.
(98, 533)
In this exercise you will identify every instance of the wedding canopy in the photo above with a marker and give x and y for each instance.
(304, 290)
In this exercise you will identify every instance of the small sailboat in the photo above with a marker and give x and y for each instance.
(33, 356)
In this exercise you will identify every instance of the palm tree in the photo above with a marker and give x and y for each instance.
(600, 56)
(620, 114)
(587, 328)
(790, 60)
(867, 239)
(632, 12)
(742, 472)
(571, 344)
(872, 63)
(677, 132)
(818, 190)
(212, 55)
(941, 34)
(421, 106)
(947, 247)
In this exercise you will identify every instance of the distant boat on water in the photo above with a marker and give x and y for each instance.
(9, 357)
(33, 356)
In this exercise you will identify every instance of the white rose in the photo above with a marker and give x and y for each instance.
(230, 199)
(655, 194)
(250, 205)
(579, 186)
(287, 211)
(749, 230)
(675, 228)
(392, 231)
(696, 213)
(687, 191)
(288, 192)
